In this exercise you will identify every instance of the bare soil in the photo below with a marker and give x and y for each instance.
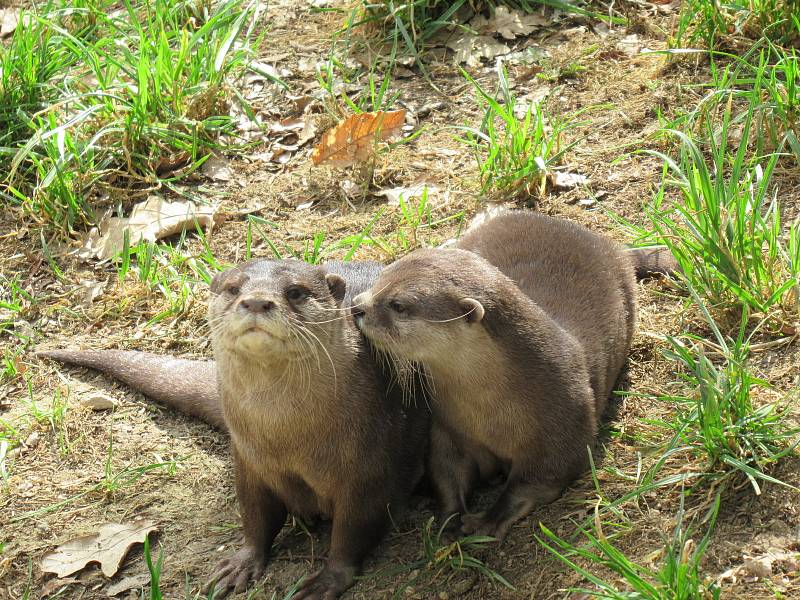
(194, 506)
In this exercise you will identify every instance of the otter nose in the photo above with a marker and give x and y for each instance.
(358, 310)
(257, 305)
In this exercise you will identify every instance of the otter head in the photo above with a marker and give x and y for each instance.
(423, 306)
(267, 310)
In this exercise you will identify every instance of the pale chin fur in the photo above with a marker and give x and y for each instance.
(257, 337)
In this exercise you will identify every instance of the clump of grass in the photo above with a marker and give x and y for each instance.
(717, 418)
(317, 250)
(677, 577)
(725, 229)
(447, 557)
(109, 101)
(724, 23)
(169, 270)
(416, 23)
(415, 225)
(763, 81)
(515, 155)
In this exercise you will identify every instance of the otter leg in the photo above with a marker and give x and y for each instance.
(517, 499)
(263, 516)
(357, 529)
(453, 473)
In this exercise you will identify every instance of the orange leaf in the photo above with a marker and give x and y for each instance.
(353, 140)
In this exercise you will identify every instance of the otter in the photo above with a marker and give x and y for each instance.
(189, 385)
(523, 328)
(315, 426)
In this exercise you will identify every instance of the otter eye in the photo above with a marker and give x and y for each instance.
(233, 290)
(397, 307)
(296, 293)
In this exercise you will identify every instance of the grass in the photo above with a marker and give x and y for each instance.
(110, 482)
(718, 24)
(515, 155)
(155, 569)
(110, 103)
(677, 577)
(760, 84)
(718, 419)
(416, 24)
(442, 558)
(169, 271)
(724, 226)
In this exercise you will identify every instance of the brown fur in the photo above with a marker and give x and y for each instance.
(315, 428)
(523, 330)
(190, 386)
(187, 385)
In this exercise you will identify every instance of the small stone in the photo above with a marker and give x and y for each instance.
(32, 440)
(99, 402)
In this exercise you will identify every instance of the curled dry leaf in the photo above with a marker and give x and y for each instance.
(128, 583)
(470, 48)
(353, 140)
(151, 220)
(108, 547)
(509, 23)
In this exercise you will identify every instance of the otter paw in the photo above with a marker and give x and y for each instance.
(326, 584)
(236, 572)
(482, 524)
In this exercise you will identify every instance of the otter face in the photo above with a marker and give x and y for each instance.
(269, 309)
(416, 310)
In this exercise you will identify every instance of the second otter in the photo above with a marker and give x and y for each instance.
(523, 329)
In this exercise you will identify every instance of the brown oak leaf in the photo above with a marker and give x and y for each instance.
(108, 547)
(353, 140)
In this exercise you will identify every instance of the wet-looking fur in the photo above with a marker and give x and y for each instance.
(313, 428)
(523, 329)
(316, 426)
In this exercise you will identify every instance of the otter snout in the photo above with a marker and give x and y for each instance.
(359, 307)
(256, 305)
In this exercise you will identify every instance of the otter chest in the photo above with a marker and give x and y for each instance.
(483, 417)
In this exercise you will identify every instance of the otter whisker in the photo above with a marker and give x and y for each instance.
(466, 314)
(324, 349)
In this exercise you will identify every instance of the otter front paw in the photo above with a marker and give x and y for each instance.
(483, 524)
(236, 572)
(327, 583)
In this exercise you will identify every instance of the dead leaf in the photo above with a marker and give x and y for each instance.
(564, 180)
(217, 168)
(108, 547)
(55, 585)
(470, 48)
(90, 290)
(9, 19)
(416, 190)
(630, 44)
(19, 365)
(353, 140)
(151, 220)
(508, 23)
(128, 583)
(304, 127)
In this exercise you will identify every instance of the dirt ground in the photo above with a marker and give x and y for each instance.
(193, 504)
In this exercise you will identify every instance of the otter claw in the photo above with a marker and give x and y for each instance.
(326, 584)
(236, 572)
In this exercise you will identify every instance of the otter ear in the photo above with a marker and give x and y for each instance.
(337, 286)
(219, 279)
(473, 310)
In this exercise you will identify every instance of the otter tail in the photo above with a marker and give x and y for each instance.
(189, 386)
(649, 262)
